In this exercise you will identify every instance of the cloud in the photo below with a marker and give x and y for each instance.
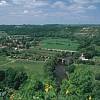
(84, 5)
(18, 1)
(30, 3)
(71, 7)
(96, 1)
(86, 1)
(82, 1)
(3, 3)
(25, 11)
(91, 7)
(76, 6)
(63, 9)
(28, 13)
(26, 7)
(58, 4)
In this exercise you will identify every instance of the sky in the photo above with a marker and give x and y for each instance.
(49, 12)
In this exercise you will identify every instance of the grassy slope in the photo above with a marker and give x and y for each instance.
(34, 69)
(94, 68)
(3, 60)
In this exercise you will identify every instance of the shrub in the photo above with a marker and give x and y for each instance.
(71, 68)
(2, 75)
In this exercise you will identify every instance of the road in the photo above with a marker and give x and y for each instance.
(59, 50)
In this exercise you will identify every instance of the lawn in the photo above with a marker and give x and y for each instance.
(59, 43)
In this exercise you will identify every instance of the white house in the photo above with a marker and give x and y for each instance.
(83, 58)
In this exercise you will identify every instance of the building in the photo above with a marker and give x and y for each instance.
(82, 57)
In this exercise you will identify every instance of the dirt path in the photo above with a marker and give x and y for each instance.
(8, 63)
(58, 50)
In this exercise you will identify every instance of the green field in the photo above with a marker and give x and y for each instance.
(94, 68)
(59, 43)
(4, 60)
(33, 69)
(43, 52)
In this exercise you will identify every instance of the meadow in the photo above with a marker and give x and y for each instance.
(39, 51)
(34, 69)
(59, 43)
(4, 60)
(94, 68)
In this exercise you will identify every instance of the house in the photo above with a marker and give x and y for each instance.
(82, 57)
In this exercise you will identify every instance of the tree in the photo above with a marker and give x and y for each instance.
(19, 79)
(80, 85)
(27, 45)
(38, 86)
(9, 78)
(2, 75)
(97, 92)
(71, 68)
(12, 78)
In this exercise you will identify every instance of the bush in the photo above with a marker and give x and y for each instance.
(2, 75)
(12, 78)
(38, 86)
(71, 68)
(19, 79)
